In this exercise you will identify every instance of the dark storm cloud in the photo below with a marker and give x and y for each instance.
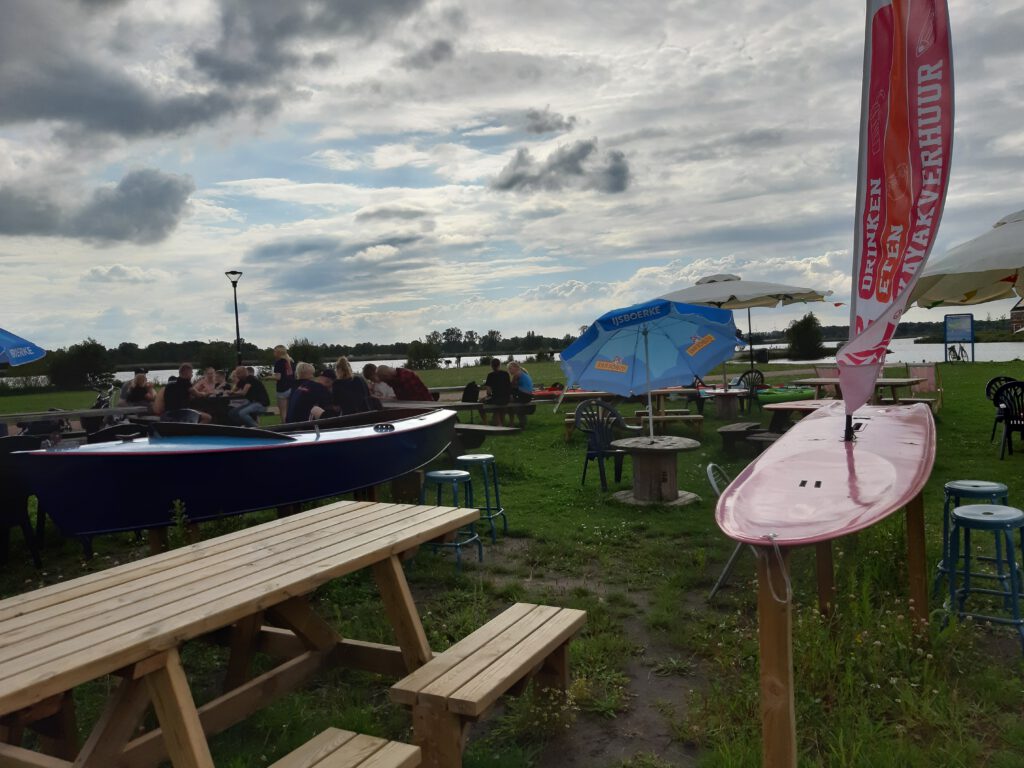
(326, 264)
(575, 165)
(429, 57)
(259, 39)
(144, 207)
(48, 73)
(50, 69)
(546, 121)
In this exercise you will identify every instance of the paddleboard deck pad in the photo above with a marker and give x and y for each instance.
(812, 486)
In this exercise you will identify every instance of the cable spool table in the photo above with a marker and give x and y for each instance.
(654, 470)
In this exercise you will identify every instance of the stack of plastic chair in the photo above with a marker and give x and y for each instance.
(990, 393)
(599, 421)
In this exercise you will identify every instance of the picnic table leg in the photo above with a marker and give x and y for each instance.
(401, 610)
(826, 577)
(916, 571)
(116, 725)
(242, 650)
(176, 711)
(775, 638)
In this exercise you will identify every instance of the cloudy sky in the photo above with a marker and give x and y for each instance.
(382, 168)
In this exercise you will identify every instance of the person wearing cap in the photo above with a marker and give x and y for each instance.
(251, 388)
(138, 391)
(310, 398)
(407, 385)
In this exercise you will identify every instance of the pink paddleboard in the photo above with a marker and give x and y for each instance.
(812, 486)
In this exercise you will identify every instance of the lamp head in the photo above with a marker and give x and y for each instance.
(234, 276)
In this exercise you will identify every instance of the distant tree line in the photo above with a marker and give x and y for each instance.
(72, 367)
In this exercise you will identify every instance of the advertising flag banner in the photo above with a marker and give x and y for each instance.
(906, 139)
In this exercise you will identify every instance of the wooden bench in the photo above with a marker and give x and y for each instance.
(469, 436)
(460, 685)
(733, 434)
(697, 422)
(666, 412)
(763, 439)
(519, 410)
(335, 748)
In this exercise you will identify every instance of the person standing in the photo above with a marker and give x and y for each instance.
(251, 388)
(284, 375)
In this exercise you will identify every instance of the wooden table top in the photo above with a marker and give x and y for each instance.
(883, 381)
(797, 405)
(453, 405)
(124, 410)
(656, 444)
(55, 638)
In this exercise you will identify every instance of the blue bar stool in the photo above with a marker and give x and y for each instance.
(958, 492)
(489, 468)
(453, 478)
(1001, 521)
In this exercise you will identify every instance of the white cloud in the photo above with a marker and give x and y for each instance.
(739, 129)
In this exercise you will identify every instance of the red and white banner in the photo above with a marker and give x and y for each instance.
(906, 139)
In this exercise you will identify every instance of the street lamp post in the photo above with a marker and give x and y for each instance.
(234, 276)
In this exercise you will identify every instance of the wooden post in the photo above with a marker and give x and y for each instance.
(826, 577)
(916, 576)
(775, 624)
(401, 610)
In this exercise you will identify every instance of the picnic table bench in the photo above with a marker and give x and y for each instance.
(519, 410)
(251, 588)
(460, 685)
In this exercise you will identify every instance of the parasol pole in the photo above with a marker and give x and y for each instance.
(750, 339)
(647, 370)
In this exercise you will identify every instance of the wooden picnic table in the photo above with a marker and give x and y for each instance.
(893, 383)
(253, 585)
(783, 412)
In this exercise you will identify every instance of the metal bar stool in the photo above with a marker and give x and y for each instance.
(1001, 521)
(957, 493)
(489, 468)
(453, 478)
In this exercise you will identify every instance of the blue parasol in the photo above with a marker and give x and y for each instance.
(15, 350)
(659, 343)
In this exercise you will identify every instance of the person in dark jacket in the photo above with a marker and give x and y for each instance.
(310, 399)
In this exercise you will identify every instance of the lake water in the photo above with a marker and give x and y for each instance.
(906, 351)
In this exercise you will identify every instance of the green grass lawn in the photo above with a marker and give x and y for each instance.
(870, 691)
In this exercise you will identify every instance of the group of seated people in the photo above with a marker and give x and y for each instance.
(303, 394)
(513, 385)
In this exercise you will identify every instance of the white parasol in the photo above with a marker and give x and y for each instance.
(730, 292)
(986, 268)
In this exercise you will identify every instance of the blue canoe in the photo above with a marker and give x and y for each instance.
(131, 483)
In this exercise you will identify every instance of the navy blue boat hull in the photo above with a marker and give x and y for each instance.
(125, 486)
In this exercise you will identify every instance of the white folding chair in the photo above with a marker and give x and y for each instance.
(719, 482)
